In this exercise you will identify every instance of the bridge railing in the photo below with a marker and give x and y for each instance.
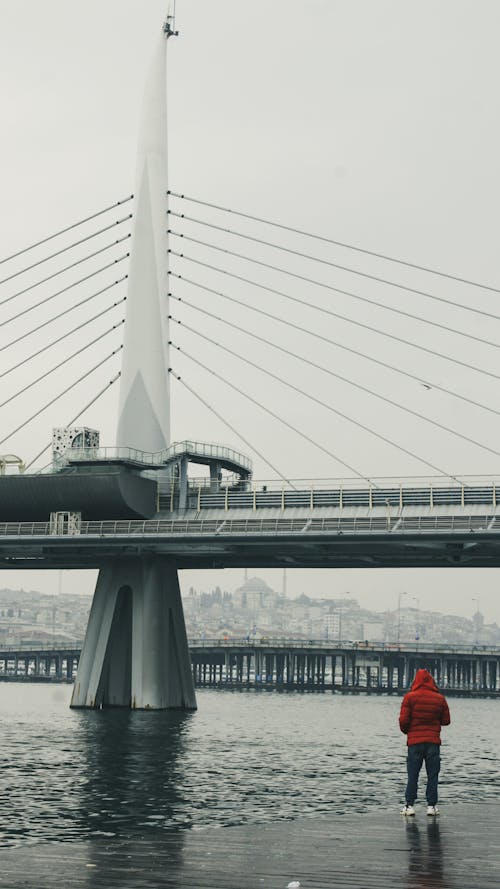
(301, 526)
(43, 648)
(384, 494)
(205, 450)
(268, 642)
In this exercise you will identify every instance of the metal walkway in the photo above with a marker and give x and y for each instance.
(200, 452)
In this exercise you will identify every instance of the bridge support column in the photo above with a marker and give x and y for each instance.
(215, 476)
(183, 483)
(135, 652)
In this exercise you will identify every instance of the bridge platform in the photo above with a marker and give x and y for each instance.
(377, 850)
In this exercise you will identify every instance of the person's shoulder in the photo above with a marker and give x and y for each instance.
(439, 696)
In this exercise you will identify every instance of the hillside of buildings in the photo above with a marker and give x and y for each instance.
(252, 611)
(255, 610)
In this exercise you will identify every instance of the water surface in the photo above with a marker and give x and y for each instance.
(242, 758)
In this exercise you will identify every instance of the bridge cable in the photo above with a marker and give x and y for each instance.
(65, 269)
(47, 373)
(68, 228)
(328, 407)
(65, 249)
(64, 336)
(301, 329)
(369, 327)
(60, 395)
(280, 419)
(373, 302)
(47, 299)
(374, 253)
(326, 370)
(64, 312)
(75, 418)
(176, 234)
(229, 426)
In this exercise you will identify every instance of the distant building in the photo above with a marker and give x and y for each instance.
(373, 630)
(332, 625)
(255, 594)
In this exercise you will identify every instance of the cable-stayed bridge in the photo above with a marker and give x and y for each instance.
(246, 526)
(214, 302)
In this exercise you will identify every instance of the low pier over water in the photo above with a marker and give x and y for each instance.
(278, 664)
(346, 666)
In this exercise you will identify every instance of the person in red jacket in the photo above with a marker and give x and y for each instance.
(423, 711)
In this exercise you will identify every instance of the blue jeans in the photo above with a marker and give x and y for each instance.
(417, 754)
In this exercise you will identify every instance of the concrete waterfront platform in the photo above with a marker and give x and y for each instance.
(458, 850)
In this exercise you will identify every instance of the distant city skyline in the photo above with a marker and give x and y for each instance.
(426, 586)
(254, 610)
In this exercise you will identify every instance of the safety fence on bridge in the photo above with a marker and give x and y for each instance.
(310, 525)
(230, 494)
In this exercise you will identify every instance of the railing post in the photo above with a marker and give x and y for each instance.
(370, 502)
(199, 497)
(311, 498)
(226, 498)
(172, 495)
(341, 504)
(282, 498)
(463, 496)
(401, 496)
(431, 498)
(494, 495)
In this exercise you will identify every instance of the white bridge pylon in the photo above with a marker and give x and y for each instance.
(135, 652)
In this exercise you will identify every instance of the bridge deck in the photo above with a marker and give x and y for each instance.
(379, 850)
(438, 540)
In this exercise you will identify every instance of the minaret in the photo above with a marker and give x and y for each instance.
(144, 406)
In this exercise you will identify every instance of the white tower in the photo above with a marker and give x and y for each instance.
(135, 652)
(144, 408)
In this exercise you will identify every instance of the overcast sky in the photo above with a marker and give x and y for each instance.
(373, 123)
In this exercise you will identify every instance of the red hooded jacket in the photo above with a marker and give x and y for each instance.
(423, 711)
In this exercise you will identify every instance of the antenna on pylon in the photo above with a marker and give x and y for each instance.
(169, 24)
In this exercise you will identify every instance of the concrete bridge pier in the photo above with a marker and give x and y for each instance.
(135, 652)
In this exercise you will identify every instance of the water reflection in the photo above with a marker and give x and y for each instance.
(132, 775)
(425, 856)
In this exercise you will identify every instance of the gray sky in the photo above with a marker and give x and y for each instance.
(371, 123)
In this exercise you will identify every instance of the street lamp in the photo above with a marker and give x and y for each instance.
(476, 622)
(417, 600)
(400, 596)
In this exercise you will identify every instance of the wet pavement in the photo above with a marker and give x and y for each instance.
(458, 850)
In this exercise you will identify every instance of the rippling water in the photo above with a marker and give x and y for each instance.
(244, 757)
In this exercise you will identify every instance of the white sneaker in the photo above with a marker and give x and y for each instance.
(432, 810)
(408, 810)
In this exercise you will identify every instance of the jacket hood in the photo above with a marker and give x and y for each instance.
(423, 679)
